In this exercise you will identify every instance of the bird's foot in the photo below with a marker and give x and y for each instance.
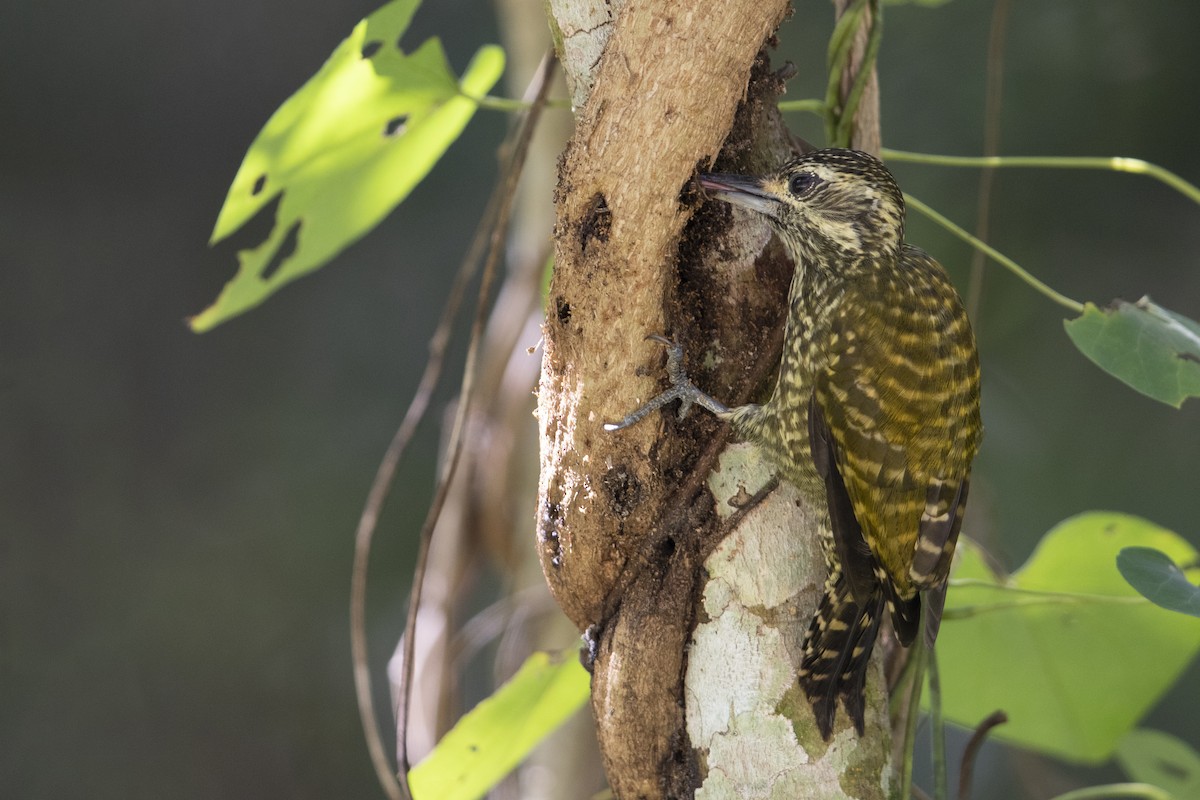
(682, 389)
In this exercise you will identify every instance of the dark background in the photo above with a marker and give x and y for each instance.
(178, 510)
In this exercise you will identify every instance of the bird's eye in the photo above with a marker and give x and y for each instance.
(803, 182)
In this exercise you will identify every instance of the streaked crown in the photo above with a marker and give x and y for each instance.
(842, 201)
(827, 203)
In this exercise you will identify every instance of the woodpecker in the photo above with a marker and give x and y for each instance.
(875, 415)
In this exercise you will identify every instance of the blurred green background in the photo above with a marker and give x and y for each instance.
(178, 511)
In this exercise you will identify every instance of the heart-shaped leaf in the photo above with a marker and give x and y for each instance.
(1064, 645)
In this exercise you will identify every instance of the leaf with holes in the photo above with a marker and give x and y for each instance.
(1161, 760)
(1154, 350)
(497, 734)
(343, 151)
(1159, 579)
(1064, 645)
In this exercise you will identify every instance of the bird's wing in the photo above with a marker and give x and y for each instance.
(854, 554)
(900, 398)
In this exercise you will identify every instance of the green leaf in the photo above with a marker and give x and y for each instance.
(1162, 760)
(1159, 580)
(1154, 350)
(498, 733)
(344, 150)
(1064, 645)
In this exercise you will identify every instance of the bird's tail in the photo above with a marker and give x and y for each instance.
(837, 649)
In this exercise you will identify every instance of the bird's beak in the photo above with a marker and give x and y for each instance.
(741, 191)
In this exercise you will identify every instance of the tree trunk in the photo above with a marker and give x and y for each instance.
(694, 610)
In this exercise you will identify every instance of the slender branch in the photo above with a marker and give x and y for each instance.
(1112, 791)
(967, 770)
(991, 144)
(1134, 166)
(380, 488)
(983, 584)
(491, 622)
(811, 106)
(1036, 597)
(741, 511)
(966, 612)
(996, 255)
(937, 727)
(917, 660)
(513, 104)
(901, 685)
(1069, 597)
(541, 85)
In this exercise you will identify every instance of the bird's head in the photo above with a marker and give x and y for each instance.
(827, 204)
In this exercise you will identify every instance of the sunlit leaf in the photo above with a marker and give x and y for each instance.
(1159, 580)
(1154, 350)
(343, 151)
(1064, 646)
(497, 734)
(1161, 760)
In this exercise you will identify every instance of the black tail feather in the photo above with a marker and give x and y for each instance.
(837, 650)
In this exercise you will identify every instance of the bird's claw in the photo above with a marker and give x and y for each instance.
(682, 389)
(676, 372)
(686, 401)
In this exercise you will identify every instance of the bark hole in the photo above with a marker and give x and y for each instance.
(624, 491)
(597, 222)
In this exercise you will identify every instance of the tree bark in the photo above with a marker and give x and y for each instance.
(694, 611)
